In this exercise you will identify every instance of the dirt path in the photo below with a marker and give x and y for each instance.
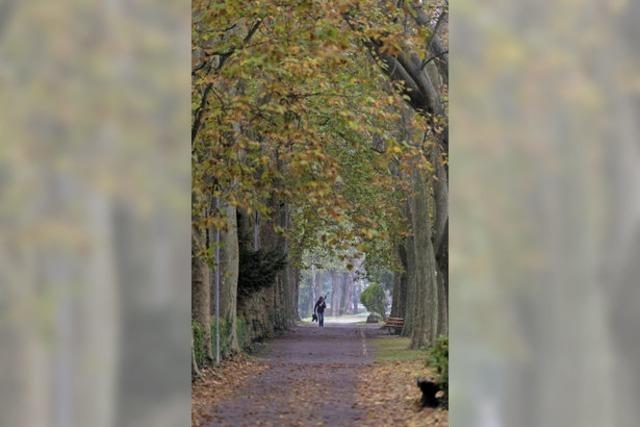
(311, 380)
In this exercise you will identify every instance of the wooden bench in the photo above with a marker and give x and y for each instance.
(393, 323)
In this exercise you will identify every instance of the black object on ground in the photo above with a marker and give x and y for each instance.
(429, 390)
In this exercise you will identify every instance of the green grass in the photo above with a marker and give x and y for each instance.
(395, 348)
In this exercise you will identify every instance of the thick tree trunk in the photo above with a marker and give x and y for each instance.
(441, 196)
(200, 296)
(410, 301)
(425, 317)
(229, 281)
(269, 240)
(441, 237)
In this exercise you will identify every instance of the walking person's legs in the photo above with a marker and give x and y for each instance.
(321, 319)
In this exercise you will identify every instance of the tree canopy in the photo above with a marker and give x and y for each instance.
(327, 120)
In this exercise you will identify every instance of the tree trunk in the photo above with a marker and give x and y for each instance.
(398, 307)
(282, 287)
(229, 281)
(442, 326)
(395, 297)
(312, 289)
(200, 296)
(195, 371)
(441, 238)
(320, 275)
(336, 296)
(425, 316)
(399, 295)
(410, 301)
(343, 293)
(348, 307)
(317, 286)
(292, 301)
(441, 196)
(291, 276)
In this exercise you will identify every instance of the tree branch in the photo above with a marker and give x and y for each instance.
(197, 122)
(441, 17)
(439, 55)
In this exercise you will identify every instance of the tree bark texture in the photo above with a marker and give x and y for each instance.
(200, 297)
(425, 313)
(230, 260)
(410, 301)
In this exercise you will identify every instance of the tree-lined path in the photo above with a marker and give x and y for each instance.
(319, 168)
(311, 380)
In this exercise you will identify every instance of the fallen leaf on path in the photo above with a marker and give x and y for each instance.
(218, 383)
(388, 395)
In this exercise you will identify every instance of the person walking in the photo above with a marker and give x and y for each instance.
(319, 310)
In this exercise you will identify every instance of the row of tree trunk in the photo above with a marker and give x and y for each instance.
(421, 291)
(343, 297)
(260, 313)
(344, 293)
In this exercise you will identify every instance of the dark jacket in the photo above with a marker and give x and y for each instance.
(320, 306)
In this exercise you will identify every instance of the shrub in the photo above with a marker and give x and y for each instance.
(438, 360)
(258, 269)
(374, 299)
